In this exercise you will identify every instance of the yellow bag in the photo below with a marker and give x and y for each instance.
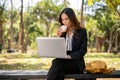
(98, 66)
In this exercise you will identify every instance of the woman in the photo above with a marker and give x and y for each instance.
(76, 44)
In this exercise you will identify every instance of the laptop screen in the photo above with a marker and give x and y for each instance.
(51, 47)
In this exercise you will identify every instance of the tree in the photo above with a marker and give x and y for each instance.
(106, 23)
(92, 30)
(21, 32)
(11, 26)
(1, 23)
(106, 18)
(111, 4)
(114, 4)
(81, 18)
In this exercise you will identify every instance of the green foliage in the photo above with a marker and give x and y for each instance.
(34, 31)
(90, 2)
(106, 20)
(46, 13)
(40, 20)
(15, 15)
(111, 4)
(91, 29)
(101, 24)
(1, 11)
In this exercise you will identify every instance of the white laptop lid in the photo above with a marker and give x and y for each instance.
(52, 47)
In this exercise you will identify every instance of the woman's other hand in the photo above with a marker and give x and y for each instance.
(68, 57)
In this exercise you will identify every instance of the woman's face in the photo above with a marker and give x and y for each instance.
(65, 20)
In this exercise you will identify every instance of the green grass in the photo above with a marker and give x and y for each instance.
(24, 61)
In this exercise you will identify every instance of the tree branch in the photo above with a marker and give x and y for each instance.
(114, 7)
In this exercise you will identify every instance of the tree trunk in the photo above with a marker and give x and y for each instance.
(110, 42)
(26, 41)
(21, 32)
(81, 18)
(116, 42)
(97, 44)
(47, 29)
(1, 36)
(1, 23)
(11, 27)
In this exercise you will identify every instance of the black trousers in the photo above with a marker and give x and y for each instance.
(61, 67)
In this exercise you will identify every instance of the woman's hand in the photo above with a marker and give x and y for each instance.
(59, 32)
(68, 57)
(62, 29)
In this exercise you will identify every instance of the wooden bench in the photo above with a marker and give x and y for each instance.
(41, 74)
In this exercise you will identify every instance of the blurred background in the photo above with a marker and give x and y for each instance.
(21, 21)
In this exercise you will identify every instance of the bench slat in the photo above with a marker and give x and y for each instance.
(41, 74)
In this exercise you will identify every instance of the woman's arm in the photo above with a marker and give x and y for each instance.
(82, 48)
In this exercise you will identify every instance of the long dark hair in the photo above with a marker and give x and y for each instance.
(71, 15)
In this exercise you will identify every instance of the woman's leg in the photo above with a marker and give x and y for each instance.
(72, 67)
(56, 72)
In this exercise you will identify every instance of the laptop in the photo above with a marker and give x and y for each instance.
(51, 47)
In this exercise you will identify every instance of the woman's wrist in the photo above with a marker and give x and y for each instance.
(69, 57)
